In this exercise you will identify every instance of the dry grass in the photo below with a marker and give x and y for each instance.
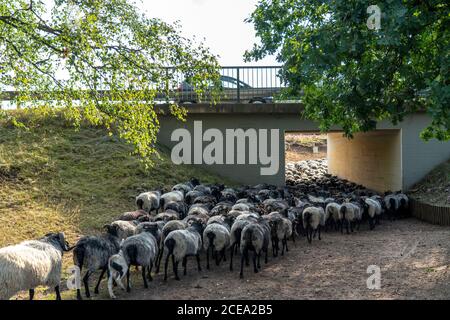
(55, 178)
(435, 187)
(306, 139)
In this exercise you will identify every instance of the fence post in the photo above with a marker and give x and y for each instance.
(238, 85)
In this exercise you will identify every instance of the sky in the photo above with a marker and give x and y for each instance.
(219, 22)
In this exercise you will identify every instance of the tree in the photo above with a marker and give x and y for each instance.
(98, 60)
(352, 76)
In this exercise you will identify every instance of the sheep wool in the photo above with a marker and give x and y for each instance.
(30, 264)
(148, 201)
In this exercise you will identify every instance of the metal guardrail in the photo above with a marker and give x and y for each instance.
(240, 84)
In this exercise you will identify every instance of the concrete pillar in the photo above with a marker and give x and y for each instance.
(372, 159)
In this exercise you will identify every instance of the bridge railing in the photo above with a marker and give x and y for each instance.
(238, 84)
(241, 84)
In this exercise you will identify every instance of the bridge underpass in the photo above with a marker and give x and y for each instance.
(389, 158)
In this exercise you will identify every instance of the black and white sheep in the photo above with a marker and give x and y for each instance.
(254, 237)
(138, 250)
(149, 201)
(30, 264)
(313, 220)
(216, 237)
(281, 229)
(183, 243)
(93, 253)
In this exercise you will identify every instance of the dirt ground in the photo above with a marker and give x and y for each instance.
(413, 257)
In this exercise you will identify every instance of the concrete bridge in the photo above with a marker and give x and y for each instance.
(388, 158)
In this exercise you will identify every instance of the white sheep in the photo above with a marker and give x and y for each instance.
(30, 264)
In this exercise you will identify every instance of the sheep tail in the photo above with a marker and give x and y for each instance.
(211, 237)
(79, 253)
(170, 244)
(140, 203)
(132, 255)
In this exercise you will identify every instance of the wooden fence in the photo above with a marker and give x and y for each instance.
(430, 213)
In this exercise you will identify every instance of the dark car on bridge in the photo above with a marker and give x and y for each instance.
(231, 90)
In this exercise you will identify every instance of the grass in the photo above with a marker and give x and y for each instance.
(56, 178)
(306, 139)
(435, 187)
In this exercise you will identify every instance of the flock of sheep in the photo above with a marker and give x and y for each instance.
(193, 218)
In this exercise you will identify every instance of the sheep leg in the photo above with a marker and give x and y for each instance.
(320, 228)
(207, 259)
(224, 255)
(259, 260)
(265, 258)
(158, 259)
(347, 225)
(231, 256)
(86, 283)
(31, 291)
(255, 268)
(184, 264)
(166, 264)
(149, 272)
(175, 268)
(58, 294)
(128, 280)
(241, 274)
(218, 258)
(199, 267)
(144, 278)
(247, 261)
(99, 279)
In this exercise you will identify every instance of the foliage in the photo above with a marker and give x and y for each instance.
(99, 60)
(352, 76)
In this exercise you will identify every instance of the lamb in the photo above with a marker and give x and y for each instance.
(149, 201)
(138, 250)
(93, 253)
(255, 237)
(372, 209)
(313, 219)
(124, 229)
(132, 215)
(183, 243)
(217, 237)
(32, 263)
